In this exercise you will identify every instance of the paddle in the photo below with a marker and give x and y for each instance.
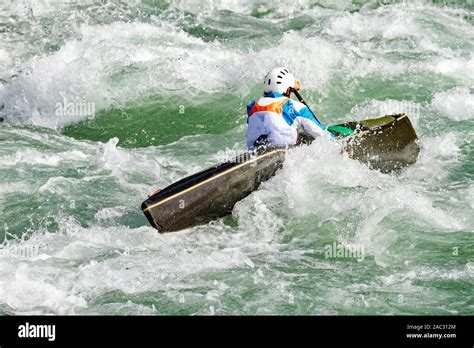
(300, 98)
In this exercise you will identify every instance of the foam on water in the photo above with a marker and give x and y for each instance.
(94, 251)
(83, 70)
(457, 104)
(26, 8)
(459, 68)
(106, 258)
(284, 8)
(381, 23)
(142, 59)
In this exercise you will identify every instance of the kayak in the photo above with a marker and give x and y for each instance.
(387, 144)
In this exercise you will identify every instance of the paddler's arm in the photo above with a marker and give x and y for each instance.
(307, 121)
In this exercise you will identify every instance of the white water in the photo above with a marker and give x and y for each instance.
(77, 201)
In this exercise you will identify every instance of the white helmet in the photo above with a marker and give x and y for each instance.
(279, 80)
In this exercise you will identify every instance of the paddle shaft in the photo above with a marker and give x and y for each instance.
(300, 98)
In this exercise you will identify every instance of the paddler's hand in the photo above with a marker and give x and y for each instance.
(297, 85)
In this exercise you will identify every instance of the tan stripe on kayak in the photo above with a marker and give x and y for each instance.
(212, 178)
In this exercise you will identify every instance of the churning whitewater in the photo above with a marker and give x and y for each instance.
(102, 103)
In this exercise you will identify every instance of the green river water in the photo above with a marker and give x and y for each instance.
(168, 82)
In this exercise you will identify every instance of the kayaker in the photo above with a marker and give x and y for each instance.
(275, 119)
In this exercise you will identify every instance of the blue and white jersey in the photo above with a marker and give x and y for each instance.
(279, 118)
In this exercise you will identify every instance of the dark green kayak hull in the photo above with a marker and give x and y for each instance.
(387, 144)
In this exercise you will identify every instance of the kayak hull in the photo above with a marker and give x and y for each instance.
(387, 144)
(212, 193)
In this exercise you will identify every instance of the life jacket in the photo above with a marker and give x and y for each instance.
(276, 107)
(270, 120)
